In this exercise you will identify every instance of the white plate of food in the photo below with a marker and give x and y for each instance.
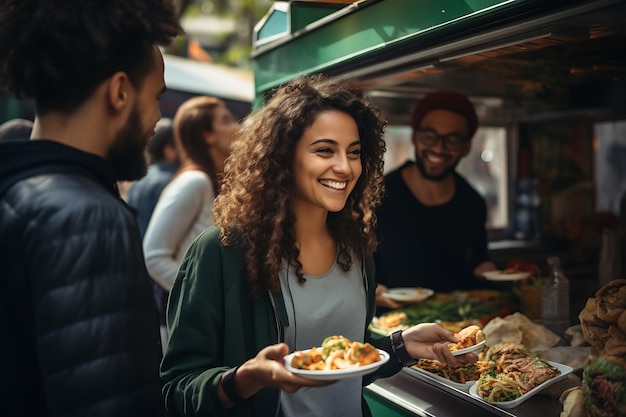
(408, 294)
(477, 348)
(506, 275)
(471, 339)
(335, 374)
(564, 371)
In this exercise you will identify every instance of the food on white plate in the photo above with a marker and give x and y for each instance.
(519, 265)
(408, 294)
(506, 275)
(469, 336)
(514, 372)
(336, 352)
(510, 271)
(391, 320)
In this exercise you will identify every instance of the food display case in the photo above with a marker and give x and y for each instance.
(417, 392)
(453, 310)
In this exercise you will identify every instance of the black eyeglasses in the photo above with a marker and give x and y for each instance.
(451, 142)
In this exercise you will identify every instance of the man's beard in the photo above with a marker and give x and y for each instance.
(439, 177)
(127, 155)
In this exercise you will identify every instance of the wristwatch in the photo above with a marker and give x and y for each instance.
(397, 344)
(228, 385)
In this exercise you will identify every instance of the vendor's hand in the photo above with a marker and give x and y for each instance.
(267, 369)
(426, 340)
(382, 301)
(484, 267)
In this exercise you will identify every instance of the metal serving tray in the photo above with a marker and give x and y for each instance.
(419, 394)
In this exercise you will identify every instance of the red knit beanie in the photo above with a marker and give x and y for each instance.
(445, 100)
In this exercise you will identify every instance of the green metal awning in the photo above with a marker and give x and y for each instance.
(344, 39)
(356, 30)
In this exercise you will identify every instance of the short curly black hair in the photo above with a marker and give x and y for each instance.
(59, 51)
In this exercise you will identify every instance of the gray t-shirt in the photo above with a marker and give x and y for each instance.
(325, 305)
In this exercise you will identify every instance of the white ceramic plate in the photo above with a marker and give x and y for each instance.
(500, 276)
(463, 387)
(474, 348)
(408, 294)
(336, 374)
(512, 404)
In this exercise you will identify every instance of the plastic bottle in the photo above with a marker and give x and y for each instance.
(610, 264)
(622, 235)
(555, 299)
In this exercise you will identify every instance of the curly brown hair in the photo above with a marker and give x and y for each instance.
(254, 207)
(59, 51)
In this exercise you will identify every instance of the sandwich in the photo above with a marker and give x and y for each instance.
(604, 387)
(469, 336)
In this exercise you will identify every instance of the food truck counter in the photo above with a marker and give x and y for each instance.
(428, 389)
(409, 393)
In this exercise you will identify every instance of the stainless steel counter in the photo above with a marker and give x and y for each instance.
(420, 395)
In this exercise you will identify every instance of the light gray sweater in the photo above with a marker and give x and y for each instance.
(183, 211)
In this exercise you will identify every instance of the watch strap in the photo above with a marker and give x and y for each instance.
(399, 348)
(228, 385)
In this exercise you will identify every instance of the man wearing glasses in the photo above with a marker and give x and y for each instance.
(431, 224)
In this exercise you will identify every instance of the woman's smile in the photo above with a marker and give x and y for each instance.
(327, 161)
(335, 185)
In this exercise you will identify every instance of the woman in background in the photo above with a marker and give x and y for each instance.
(203, 131)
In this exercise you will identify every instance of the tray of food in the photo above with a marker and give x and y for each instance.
(337, 358)
(505, 375)
(461, 377)
(510, 389)
(453, 311)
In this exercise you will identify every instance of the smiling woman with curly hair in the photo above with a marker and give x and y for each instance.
(259, 184)
(287, 265)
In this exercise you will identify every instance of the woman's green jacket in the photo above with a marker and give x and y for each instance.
(214, 325)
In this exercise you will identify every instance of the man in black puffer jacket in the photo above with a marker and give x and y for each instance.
(80, 334)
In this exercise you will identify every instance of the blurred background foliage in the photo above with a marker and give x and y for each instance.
(218, 31)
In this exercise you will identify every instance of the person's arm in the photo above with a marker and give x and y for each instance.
(484, 267)
(423, 341)
(86, 274)
(173, 217)
(266, 369)
(383, 301)
(426, 340)
(193, 367)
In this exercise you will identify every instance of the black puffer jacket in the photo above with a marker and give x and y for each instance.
(79, 330)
